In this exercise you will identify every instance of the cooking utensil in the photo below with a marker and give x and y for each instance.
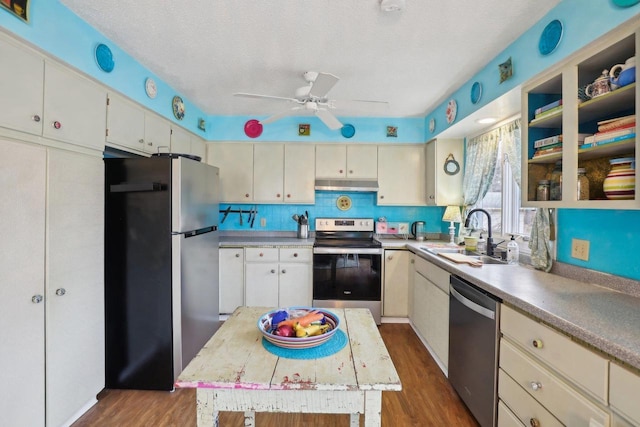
(240, 212)
(226, 212)
(296, 218)
(255, 211)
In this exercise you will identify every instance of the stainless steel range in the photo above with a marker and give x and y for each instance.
(347, 265)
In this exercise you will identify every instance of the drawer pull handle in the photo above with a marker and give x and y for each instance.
(535, 385)
(35, 118)
(273, 272)
(295, 255)
(261, 254)
(36, 299)
(284, 271)
(237, 255)
(533, 422)
(537, 343)
(61, 292)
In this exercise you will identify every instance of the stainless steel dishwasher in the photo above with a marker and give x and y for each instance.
(473, 348)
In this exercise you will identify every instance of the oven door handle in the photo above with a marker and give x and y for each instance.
(348, 251)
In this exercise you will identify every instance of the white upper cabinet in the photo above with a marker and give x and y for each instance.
(157, 134)
(268, 172)
(75, 108)
(346, 161)
(444, 159)
(198, 147)
(21, 85)
(299, 173)
(236, 170)
(401, 173)
(180, 141)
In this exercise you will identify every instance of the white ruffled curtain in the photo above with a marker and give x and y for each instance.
(511, 146)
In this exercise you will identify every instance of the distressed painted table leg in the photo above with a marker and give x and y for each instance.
(372, 408)
(355, 420)
(249, 419)
(207, 416)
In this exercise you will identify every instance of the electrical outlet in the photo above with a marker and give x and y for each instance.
(580, 249)
(263, 222)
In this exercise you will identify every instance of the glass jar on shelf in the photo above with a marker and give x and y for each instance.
(583, 184)
(542, 192)
(555, 190)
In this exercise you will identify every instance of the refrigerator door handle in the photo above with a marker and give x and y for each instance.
(135, 187)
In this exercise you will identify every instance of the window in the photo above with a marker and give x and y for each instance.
(502, 199)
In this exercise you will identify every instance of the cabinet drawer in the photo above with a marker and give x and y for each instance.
(566, 404)
(435, 274)
(580, 365)
(261, 254)
(624, 389)
(506, 417)
(296, 255)
(523, 407)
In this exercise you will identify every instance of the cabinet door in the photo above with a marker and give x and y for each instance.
(401, 175)
(362, 161)
(22, 260)
(198, 147)
(261, 284)
(74, 283)
(443, 188)
(420, 303)
(295, 284)
(299, 173)
(268, 172)
(231, 279)
(21, 86)
(236, 170)
(439, 323)
(331, 161)
(125, 123)
(75, 108)
(396, 283)
(180, 141)
(157, 134)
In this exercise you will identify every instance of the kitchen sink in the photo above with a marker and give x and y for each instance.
(485, 259)
(489, 260)
(441, 250)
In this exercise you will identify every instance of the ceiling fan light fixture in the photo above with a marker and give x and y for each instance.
(392, 5)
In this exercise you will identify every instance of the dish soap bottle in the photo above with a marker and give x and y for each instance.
(513, 251)
(482, 245)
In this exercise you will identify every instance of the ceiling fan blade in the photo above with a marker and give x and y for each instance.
(255, 95)
(329, 119)
(359, 105)
(279, 115)
(323, 84)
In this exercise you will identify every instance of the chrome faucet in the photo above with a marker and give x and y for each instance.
(489, 238)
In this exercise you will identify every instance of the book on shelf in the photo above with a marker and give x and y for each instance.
(610, 124)
(546, 151)
(609, 140)
(548, 106)
(551, 140)
(601, 136)
(548, 112)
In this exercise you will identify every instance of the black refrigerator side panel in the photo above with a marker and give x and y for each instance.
(138, 304)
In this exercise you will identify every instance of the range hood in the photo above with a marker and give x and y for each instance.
(347, 184)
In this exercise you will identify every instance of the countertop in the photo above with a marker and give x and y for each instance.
(604, 318)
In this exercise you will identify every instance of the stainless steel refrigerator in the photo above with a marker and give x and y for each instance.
(161, 267)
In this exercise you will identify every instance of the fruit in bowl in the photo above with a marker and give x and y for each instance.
(298, 327)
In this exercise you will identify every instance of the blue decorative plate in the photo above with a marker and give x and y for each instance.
(625, 3)
(550, 37)
(348, 131)
(104, 58)
(476, 92)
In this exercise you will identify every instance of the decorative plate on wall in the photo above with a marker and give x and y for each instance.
(348, 131)
(178, 107)
(344, 203)
(550, 37)
(432, 125)
(625, 3)
(452, 109)
(104, 58)
(476, 92)
(253, 128)
(150, 88)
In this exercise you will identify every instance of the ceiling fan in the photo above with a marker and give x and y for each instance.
(313, 97)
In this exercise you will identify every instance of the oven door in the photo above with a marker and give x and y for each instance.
(350, 274)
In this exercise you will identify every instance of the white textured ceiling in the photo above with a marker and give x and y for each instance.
(414, 59)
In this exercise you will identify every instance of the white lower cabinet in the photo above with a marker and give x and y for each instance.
(540, 367)
(624, 395)
(506, 418)
(51, 283)
(231, 279)
(396, 283)
(431, 308)
(278, 277)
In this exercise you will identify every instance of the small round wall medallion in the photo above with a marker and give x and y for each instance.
(344, 203)
(348, 131)
(476, 92)
(451, 166)
(104, 58)
(178, 107)
(452, 109)
(432, 125)
(150, 88)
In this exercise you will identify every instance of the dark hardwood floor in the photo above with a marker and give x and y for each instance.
(426, 399)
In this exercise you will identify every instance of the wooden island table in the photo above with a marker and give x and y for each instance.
(234, 372)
